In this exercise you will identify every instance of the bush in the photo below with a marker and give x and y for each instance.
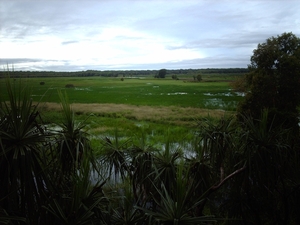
(174, 77)
(199, 77)
(69, 86)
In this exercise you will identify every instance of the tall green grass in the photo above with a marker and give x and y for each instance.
(152, 92)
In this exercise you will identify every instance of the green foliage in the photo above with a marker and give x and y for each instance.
(174, 77)
(199, 77)
(123, 208)
(178, 205)
(114, 157)
(123, 73)
(23, 161)
(161, 73)
(78, 201)
(34, 181)
(261, 194)
(73, 143)
(274, 80)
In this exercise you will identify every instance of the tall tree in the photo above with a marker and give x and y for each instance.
(274, 80)
(162, 73)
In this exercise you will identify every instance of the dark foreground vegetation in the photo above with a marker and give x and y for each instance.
(239, 170)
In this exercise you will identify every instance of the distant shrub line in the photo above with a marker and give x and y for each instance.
(122, 73)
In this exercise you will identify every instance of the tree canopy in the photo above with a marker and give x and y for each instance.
(274, 79)
(162, 73)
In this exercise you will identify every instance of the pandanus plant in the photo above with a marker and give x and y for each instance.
(78, 199)
(264, 193)
(45, 176)
(23, 156)
(72, 140)
(178, 205)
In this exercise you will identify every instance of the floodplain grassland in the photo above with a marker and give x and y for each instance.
(136, 91)
(132, 104)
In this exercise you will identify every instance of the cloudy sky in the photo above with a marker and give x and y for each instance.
(74, 35)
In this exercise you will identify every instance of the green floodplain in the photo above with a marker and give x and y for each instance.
(126, 103)
(212, 92)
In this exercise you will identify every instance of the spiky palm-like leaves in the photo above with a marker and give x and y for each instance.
(178, 205)
(23, 143)
(35, 188)
(142, 169)
(217, 140)
(79, 200)
(122, 207)
(80, 203)
(217, 160)
(165, 163)
(73, 142)
(114, 158)
(261, 194)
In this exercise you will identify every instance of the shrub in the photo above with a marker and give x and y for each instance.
(199, 77)
(69, 86)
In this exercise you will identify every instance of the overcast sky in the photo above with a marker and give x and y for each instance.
(74, 35)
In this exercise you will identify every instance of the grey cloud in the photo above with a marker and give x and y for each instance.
(12, 61)
(31, 63)
(231, 41)
(227, 31)
(69, 42)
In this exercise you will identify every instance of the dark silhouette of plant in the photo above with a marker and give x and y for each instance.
(37, 187)
(23, 157)
(261, 192)
(161, 73)
(72, 140)
(142, 169)
(123, 206)
(199, 77)
(178, 205)
(114, 157)
(274, 81)
(165, 163)
(80, 201)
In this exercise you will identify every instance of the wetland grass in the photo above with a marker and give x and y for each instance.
(154, 105)
(137, 92)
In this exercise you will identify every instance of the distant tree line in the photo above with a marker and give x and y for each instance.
(122, 73)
